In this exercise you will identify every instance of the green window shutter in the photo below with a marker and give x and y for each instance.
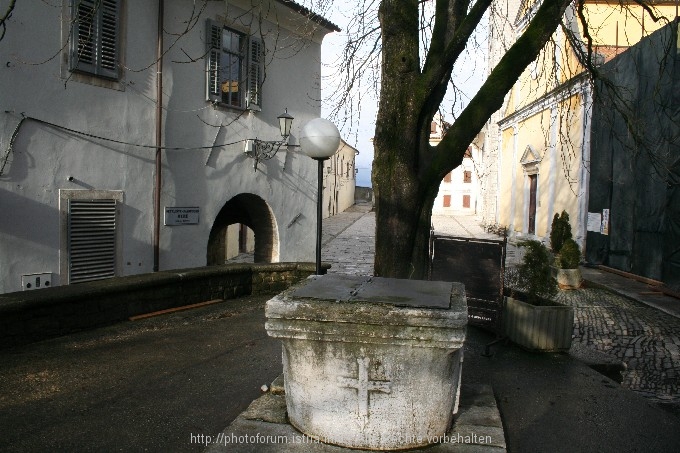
(94, 46)
(255, 73)
(213, 54)
(83, 37)
(109, 20)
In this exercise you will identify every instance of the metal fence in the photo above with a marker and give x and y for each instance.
(480, 265)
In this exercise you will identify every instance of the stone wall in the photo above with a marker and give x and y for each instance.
(30, 316)
(364, 194)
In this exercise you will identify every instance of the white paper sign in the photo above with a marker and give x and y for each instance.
(594, 222)
(605, 222)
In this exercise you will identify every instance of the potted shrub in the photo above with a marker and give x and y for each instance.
(531, 318)
(568, 272)
(567, 253)
(560, 231)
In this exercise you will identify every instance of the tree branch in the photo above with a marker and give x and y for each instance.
(5, 17)
(443, 55)
(449, 152)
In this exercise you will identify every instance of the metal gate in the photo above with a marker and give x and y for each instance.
(480, 265)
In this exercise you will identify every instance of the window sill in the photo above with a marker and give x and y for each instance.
(90, 79)
(221, 105)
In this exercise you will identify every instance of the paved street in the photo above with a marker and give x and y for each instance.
(146, 385)
(644, 338)
(159, 384)
(351, 250)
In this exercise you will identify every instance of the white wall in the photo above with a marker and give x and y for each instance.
(457, 188)
(339, 180)
(43, 158)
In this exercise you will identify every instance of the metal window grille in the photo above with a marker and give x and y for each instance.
(91, 239)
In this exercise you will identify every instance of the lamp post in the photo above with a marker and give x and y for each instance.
(319, 139)
(264, 150)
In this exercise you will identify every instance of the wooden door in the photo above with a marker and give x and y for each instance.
(533, 184)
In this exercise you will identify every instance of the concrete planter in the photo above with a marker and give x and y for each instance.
(569, 278)
(539, 328)
(363, 367)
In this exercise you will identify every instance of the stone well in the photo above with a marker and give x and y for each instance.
(371, 362)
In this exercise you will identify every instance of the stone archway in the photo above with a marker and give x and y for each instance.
(250, 210)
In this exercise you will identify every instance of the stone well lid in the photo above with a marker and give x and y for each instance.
(370, 310)
(377, 290)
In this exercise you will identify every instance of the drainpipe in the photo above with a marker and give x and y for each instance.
(159, 140)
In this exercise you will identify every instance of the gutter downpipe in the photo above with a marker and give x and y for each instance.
(159, 140)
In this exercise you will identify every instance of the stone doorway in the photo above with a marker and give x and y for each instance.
(244, 211)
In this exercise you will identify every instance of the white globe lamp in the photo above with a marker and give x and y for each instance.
(319, 139)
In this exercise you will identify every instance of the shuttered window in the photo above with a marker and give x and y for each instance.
(95, 37)
(447, 201)
(234, 67)
(91, 239)
(254, 73)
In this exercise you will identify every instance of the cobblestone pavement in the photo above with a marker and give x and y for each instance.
(351, 252)
(645, 339)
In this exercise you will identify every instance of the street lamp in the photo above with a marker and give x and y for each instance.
(319, 139)
(265, 150)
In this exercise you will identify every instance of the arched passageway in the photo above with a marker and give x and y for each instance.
(252, 211)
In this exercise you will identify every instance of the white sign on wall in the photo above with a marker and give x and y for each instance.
(181, 216)
(594, 222)
(605, 222)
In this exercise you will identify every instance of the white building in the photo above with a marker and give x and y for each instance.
(82, 135)
(339, 183)
(339, 180)
(458, 191)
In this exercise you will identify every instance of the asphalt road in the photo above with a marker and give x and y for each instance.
(151, 385)
(146, 385)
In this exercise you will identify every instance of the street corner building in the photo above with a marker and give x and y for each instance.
(129, 135)
(604, 151)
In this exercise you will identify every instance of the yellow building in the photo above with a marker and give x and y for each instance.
(541, 137)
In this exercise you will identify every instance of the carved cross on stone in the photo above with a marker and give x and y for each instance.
(363, 386)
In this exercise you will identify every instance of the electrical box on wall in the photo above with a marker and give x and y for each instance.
(36, 281)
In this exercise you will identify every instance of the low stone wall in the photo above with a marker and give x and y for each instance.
(29, 316)
(364, 194)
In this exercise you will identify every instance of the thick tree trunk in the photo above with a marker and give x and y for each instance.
(402, 205)
(407, 171)
(402, 231)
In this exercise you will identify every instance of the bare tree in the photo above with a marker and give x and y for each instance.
(408, 51)
(416, 45)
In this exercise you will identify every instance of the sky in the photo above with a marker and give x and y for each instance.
(467, 77)
(363, 131)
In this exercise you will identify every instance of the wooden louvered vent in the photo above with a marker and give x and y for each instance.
(91, 239)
